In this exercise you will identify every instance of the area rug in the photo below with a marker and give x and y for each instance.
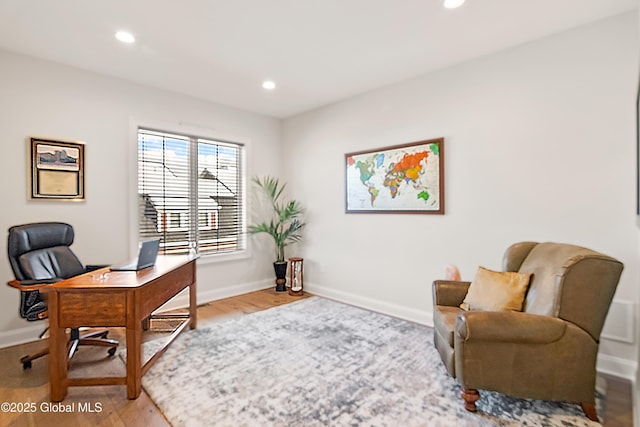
(316, 362)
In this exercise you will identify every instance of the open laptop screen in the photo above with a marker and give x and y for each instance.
(146, 257)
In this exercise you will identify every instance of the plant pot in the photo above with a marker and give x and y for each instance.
(280, 267)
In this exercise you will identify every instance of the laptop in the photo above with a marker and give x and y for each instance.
(146, 257)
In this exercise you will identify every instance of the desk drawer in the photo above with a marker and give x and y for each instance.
(161, 290)
(91, 308)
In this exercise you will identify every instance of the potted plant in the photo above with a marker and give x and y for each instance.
(283, 224)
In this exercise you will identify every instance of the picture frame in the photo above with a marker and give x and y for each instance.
(57, 169)
(406, 178)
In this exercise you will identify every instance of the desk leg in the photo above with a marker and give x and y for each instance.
(193, 304)
(134, 346)
(134, 360)
(57, 352)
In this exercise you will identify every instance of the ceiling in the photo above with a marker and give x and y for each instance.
(317, 52)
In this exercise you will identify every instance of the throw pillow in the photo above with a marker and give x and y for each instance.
(496, 291)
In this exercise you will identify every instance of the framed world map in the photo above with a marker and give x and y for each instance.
(407, 178)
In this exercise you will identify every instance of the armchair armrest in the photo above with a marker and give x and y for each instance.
(449, 292)
(509, 327)
(32, 285)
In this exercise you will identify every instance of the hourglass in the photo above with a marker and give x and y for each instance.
(295, 279)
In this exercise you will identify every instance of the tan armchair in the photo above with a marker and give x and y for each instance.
(548, 351)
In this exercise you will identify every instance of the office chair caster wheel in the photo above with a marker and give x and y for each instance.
(112, 351)
(26, 365)
(104, 334)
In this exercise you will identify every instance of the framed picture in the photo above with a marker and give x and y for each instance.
(57, 169)
(407, 178)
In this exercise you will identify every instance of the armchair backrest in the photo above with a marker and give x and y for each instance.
(570, 282)
(41, 251)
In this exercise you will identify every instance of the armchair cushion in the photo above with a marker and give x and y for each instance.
(509, 327)
(496, 291)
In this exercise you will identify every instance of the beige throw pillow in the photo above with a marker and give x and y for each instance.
(496, 291)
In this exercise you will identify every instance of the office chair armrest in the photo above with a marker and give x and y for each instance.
(89, 268)
(32, 285)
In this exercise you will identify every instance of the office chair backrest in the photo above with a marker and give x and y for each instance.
(40, 251)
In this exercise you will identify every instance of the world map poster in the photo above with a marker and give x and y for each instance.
(406, 178)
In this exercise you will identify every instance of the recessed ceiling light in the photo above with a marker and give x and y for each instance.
(452, 4)
(268, 85)
(125, 37)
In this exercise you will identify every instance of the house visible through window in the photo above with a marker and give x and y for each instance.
(190, 193)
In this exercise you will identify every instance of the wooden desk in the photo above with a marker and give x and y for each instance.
(115, 298)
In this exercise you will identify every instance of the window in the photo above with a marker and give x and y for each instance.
(190, 193)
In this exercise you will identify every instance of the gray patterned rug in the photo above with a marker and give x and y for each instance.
(316, 362)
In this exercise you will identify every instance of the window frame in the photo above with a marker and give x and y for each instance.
(196, 133)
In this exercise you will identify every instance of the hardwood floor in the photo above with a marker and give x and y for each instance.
(105, 406)
(618, 407)
(28, 391)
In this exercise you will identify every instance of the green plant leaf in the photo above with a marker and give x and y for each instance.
(285, 225)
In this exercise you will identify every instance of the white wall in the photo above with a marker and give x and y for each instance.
(540, 145)
(636, 385)
(44, 99)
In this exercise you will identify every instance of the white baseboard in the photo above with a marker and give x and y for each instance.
(422, 317)
(616, 366)
(31, 332)
(182, 299)
(22, 335)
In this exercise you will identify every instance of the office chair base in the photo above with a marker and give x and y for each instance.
(92, 338)
(26, 360)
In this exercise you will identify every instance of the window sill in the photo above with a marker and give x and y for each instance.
(224, 257)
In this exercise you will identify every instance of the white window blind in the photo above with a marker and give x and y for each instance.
(190, 193)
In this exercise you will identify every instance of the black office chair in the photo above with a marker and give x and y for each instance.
(39, 255)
